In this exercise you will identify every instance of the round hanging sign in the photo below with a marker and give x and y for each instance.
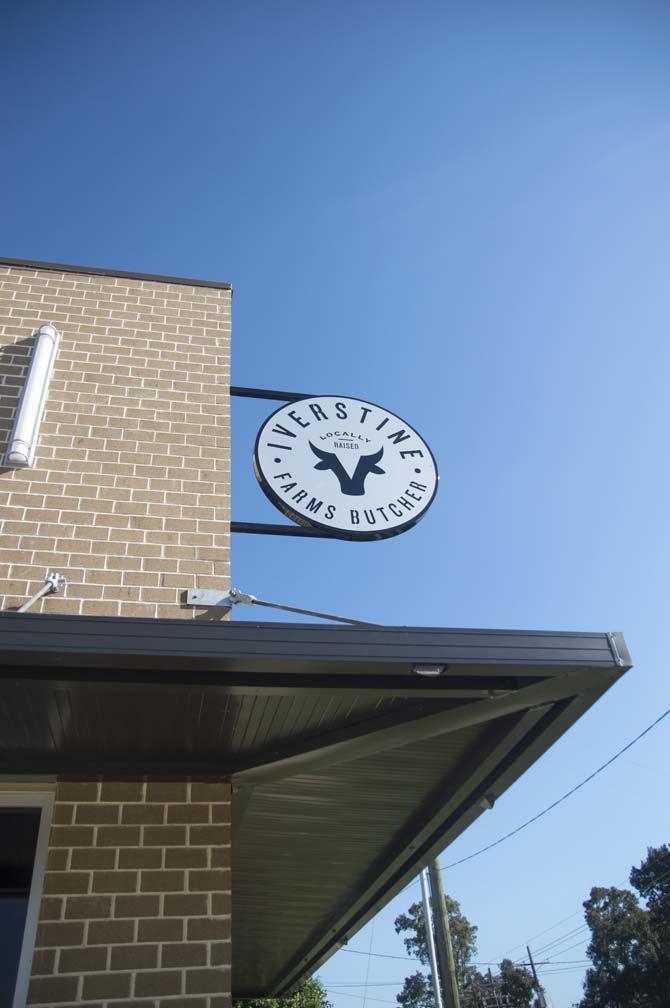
(345, 465)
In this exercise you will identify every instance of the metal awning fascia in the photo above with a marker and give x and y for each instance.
(179, 645)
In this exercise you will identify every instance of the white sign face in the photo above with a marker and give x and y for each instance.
(345, 465)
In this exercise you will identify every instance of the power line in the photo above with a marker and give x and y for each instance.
(568, 794)
(549, 808)
(360, 997)
(573, 963)
(367, 968)
(561, 937)
(387, 955)
(380, 955)
(576, 945)
(540, 933)
(375, 983)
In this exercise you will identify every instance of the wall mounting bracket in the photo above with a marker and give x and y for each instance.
(53, 583)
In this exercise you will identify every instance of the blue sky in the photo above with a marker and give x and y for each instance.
(459, 211)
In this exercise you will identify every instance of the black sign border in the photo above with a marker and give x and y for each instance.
(281, 505)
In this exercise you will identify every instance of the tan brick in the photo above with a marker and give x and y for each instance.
(208, 929)
(91, 814)
(106, 985)
(92, 857)
(188, 905)
(166, 791)
(82, 960)
(71, 836)
(63, 814)
(158, 982)
(57, 860)
(122, 791)
(186, 1002)
(109, 932)
(221, 813)
(184, 954)
(49, 990)
(44, 962)
(128, 1003)
(221, 854)
(208, 981)
(186, 857)
(57, 934)
(215, 880)
(146, 905)
(114, 882)
(140, 857)
(137, 609)
(188, 813)
(118, 836)
(66, 882)
(133, 957)
(220, 953)
(221, 903)
(160, 930)
(51, 907)
(164, 836)
(87, 907)
(143, 813)
(162, 881)
(209, 836)
(210, 791)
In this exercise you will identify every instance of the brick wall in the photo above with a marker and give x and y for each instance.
(129, 493)
(136, 904)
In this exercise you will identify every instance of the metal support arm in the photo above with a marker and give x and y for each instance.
(401, 728)
(208, 598)
(53, 583)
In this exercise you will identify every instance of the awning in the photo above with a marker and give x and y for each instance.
(349, 769)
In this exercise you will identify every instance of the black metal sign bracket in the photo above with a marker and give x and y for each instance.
(263, 528)
(261, 393)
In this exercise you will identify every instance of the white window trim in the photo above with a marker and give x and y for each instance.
(43, 800)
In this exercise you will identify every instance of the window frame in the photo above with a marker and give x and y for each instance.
(43, 800)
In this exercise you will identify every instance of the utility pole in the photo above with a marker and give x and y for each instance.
(493, 989)
(540, 992)
(430, 942)
(445, 952)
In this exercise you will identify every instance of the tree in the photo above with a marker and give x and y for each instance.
(463, 935)
(516, 985)
(513, 986)
(417, 992)
(630, 942)
(308, 994)
(652, 881)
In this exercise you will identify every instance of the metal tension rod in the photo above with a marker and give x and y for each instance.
(260, 393)
(310, 612)
(205, 598)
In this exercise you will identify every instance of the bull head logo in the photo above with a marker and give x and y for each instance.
(352, 486)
